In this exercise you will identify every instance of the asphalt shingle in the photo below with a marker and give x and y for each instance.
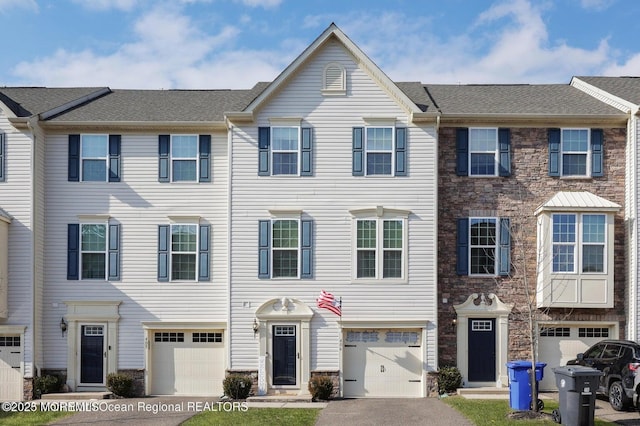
(627, 88)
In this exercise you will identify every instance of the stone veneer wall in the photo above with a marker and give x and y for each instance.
(517, 197)
(27, 389)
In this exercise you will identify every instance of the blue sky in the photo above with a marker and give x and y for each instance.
(218, 44)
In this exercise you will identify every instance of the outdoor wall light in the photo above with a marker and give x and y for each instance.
(255, 326)
(454, 322)
(63, 326)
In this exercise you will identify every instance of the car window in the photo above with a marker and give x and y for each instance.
(611, 351)
(595, 351)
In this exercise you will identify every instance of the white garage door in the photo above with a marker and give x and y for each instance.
(187, 362)
(559, 344)
(382, 363)
(10, 372)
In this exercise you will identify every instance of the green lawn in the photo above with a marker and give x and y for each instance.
(494, 412)
(257, 417)
(34, 418)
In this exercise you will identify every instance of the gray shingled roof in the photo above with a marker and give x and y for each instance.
(416, 92)
(27, 101)
(520, 99)
(162, 106)
(627, 88)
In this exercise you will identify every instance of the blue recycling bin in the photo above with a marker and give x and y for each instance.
(519, 387)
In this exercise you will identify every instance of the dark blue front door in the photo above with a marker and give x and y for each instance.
(92, 354)
(284, 355)
(482, 349)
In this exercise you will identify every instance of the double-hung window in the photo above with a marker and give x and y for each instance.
(483, 239)
(579, 242)
(379, 151)
(576, 152)
(483, 151)
(184, 158)
(183, 252)
(285, 149)
(93, 251)
(380, 248)
(285, 247)
(94, 158)
(484, 246)
(285, 152)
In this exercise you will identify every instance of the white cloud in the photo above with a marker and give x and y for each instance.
(508, 43)
(169, 52)
(5, 5)
(124, 5)
(266, 4)
(597, 5)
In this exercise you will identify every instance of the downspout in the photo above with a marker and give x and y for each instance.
(31, 124)
(229, 257)
(632, 212)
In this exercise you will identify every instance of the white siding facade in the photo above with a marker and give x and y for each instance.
(328, 198)
(138, 203)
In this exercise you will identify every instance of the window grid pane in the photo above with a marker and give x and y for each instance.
(575, 148)
(94, 158)
(93, 246)
(379, 150)
(285, 243)
(285, 143)
(366, 264)
(483, 240)
(483, 146)
(184, 156)
(184, 244)
(392, 264)
(366, 238)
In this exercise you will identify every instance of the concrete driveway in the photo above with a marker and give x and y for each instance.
(365, 412)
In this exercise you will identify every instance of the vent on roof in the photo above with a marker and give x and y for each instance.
(334, 79)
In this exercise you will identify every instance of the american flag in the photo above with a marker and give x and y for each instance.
(327, 301)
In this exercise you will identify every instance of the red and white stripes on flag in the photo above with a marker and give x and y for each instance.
(327, 301)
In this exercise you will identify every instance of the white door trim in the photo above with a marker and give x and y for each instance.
(80, 334)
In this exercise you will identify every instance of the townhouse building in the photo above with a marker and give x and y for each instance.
(179, 236)
(182, 235)
(531, 184)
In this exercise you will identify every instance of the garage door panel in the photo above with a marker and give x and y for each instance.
(562, 345)
(384, 365)
(10, 372)
(187, 367)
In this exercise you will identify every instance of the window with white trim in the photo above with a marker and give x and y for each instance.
(379, 151)
(184, 250)
(285, 150)
(575, 152)
(93, 251)
(483, 152)
(579, 242)
(380, 248)
(184, 158)
(94, 154)
(285, 248)
(483, 241)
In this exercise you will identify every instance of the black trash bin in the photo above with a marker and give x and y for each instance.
(577, 387)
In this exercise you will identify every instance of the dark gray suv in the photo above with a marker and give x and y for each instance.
(619, 360)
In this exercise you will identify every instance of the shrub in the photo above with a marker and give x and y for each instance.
(449, 380)
(120, 384)
(320, 387)
(47, 384)
(237, 386)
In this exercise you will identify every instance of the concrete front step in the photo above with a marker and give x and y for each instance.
(280, 398)
(72, 396)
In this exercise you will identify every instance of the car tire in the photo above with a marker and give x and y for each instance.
(617, 397)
